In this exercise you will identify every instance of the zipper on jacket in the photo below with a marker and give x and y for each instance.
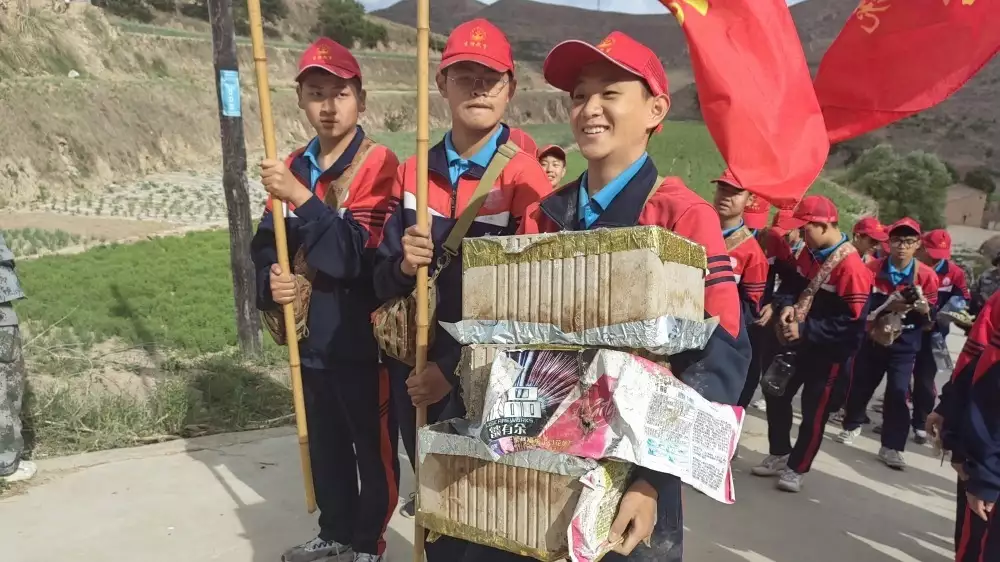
(454, 200)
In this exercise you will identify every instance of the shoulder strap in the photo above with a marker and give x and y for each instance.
(503, 156)
(337, 191)
(741, 235)
(656, 187)
(804, 303)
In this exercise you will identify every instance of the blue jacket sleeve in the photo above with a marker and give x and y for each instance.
(264, 254)
(981, 435)
(390, 281)
(334, 245)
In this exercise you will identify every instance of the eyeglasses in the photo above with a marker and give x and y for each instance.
(489, 85)
(904, 242)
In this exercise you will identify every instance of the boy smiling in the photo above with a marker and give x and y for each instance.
(620, 98)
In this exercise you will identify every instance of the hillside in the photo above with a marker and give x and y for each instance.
(962, 130)
(93, 100)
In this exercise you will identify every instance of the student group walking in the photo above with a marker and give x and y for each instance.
(801, 304)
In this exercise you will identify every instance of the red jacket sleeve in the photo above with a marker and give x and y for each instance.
(961, 283)
(531, 186)
(855, 287)
(342, 243)
(754, 279)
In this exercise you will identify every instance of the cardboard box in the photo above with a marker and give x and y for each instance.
(623, 287)
(528, 503)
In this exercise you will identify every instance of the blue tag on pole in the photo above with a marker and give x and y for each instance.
(229, 90)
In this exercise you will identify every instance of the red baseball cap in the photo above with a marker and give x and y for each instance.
(523, 141)
(905, 222)
(814, 208)
(481, 42)
(326, 54)
(756, 212)
(784, 222)
(553, 150)
(871, 227)
(566, 60)
(937, 244)
(757, 209)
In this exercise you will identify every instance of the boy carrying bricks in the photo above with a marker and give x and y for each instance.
(620, 98)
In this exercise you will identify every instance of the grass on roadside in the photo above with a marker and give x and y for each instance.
(174, 293)
(212, 395)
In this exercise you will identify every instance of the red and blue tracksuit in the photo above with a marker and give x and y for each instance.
(832, 332)
(954, 396)
(896, 361)
(951, 285)
(346, 392)
(716, 372)
(451, 184)
(971, 409)
(754, 283)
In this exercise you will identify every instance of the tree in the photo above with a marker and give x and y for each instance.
(344, 21)
(981, 179)
(955, 176)
(913, 185)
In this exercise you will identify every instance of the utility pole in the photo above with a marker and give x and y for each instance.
(234, 177)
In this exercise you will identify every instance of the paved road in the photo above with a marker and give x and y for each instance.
(237, 498)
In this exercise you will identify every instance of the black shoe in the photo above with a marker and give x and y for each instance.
(409, 508)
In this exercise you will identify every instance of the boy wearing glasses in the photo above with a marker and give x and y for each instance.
(901, 273)
(476, 77)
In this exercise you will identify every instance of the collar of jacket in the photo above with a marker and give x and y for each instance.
(437, 157)
(301, 170)
(563, 206)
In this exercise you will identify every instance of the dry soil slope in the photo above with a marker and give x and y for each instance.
(145, 102)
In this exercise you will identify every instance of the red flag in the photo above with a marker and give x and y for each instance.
(895, 58)
(756, 93)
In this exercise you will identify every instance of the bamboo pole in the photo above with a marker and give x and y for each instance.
(281, 241)
(423, 135)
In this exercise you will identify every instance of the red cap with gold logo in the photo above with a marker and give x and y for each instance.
(566, 60)
(326, 54)
(871, 227)
(481, 42)
(937, 244)
(757, 208)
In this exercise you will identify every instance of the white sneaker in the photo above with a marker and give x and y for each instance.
(847, 436)
(25, 471)
(761, 405)
(891, 458)
(365, 557)
(920, 436)
(790, 481)
(315, 550)
(772, 465)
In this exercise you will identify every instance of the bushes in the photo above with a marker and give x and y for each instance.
(344, 21)
(913, 185)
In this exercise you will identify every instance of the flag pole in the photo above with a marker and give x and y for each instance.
(281, 242)
(423, 135)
